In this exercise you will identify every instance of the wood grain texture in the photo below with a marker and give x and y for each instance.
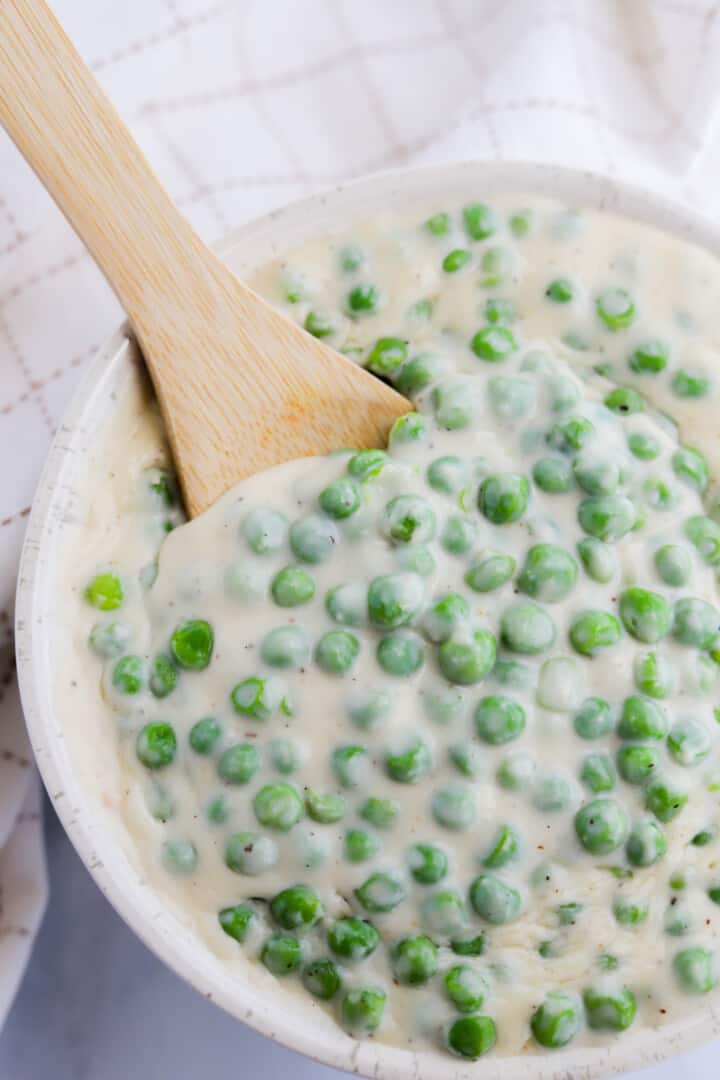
(241, 388)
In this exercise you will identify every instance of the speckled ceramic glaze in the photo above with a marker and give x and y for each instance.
(78, 795)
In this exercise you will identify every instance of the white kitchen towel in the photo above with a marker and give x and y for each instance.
(242, 105)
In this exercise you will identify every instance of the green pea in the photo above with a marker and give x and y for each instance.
(598, 559)
(362, 1009)
(499, 719)
(553, 475)
(264, 531)
(687, 384)
(282, 954)
(469, 946)
(446, 615)
(453, 806)
(673, 564)
(284, 755)
(285, 647)
(239, 763)
(646, 844)
(367, 707)
(352, 939)
(557, 1021)
(637, 763)
(642, 446)
(696, 969)
(552, 792)
(367, 464)
(278, 806)
(447, 474)
(493, 343)
(363, 299)
(591, 631)
(418, 373)
(129, 674)
(324, 807)
(455, 260)
(504, 848)
(695, 623)
(526, 628)
(179, 856)
(664, 799)
(408, 429)
(653, 675)
(258, 697)
(607, 962)
(394, 600)
(691, 467)
(608, 1009)
(359, 846)
(704, 534)
(408, 518)
(313, 538)
(466, 659)
(410, 764)
(593, 719)
(491, 572)
(616, 308)
(401, 653)
(340, 499)
(415, 559)
(192, 644)
(163, 676)
(466, 988)
(348, 762)
(296, 908)
(204, 735)
(164, 487)
(503, 498)
(380, 812)
(494, 900)
(597, 474)
(427, 864)
(629, 912)
(597, 773)
(321, 979)
(387, 355)
(571, 434)
(689, 741)
(459, 534)
(646, 615)
(471, 1036)
(351, 258)
(156, 745)
(701, 839)
(601, 825)
(466, 757)
(607, 517)
(560, 290)
(380, 892)
(548, 574)
(319, 324)
(479, 221)
(499, 310)
(641, 719)
(649, 358)
(337, 651)
(625, 401)
(236, 921)
(292, 586)
(514, 675)
(105, 592)
(454, 405)
(438, 224)
(414, 960)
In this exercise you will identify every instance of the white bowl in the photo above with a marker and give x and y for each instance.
(245, 991)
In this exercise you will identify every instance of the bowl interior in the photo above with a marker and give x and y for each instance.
(80, 778)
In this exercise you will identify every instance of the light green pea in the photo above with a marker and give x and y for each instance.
(548, 573)
(313, 538)
(466, 757)
(129, 674)
(340, 499)
(646, 843)
(459, 534)
(515, 772)
(319, 324)
(409, 764)
(649, 357)
(526, 628)
(597, 773)
(511, 397)
(367, 707)
(347, 604)
(418, 373)
(362, 1010)
(367, 464)
(503, 498)
(278, 806)
(156, 745)
(408, 518)
(553, 475)
(105, 592)
(387, 355)
(179, 856)
(401, 653)
(380, 812)
(337, 651)
(205, 735)
(285, 647)
(570, 434)
(695, 623)
(325, 807)
(359, 845)
(609, 1009)
(494, 900)
(239, 763)
(259, 697)
(394, 600)
(646, 615)
(653, 675)
(664, 798)
(446, 615)
(691, 467)
(689, 384)
(601, 825)
(443, 705)
(552, 792)
(689, 741)
(598, 558)
(673, 564)
(414, 960)
(499, 719)
(615, 308)
(607, 517)
(594, 719)
(696, 969)
(264, 530)
(637, 763)
(641, 719)
(629, 912)
(443, 914)
(643, 446)
(505, 848)
(380, 892)
(453, 806)
(557, 1020)
(704, 534)
(109, 640)
(491, 572)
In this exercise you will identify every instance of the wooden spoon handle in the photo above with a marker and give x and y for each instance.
(57, 114)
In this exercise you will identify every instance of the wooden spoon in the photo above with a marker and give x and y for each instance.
(241, 388)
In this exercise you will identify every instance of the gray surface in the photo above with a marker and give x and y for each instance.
(97, 1005)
